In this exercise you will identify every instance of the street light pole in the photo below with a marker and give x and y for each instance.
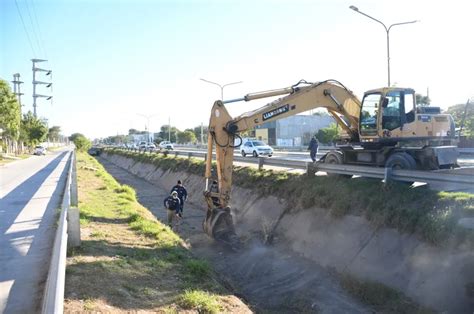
(221, 86)
(387, 30)
(147, 117)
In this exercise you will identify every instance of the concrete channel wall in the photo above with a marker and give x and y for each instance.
(440, 278)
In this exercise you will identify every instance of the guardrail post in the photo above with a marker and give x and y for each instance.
(74, 197)
(310, 169)
(205, 157)
(176, 153)
(387, 175)
(260, 163)
(74, 227)
(190, 155)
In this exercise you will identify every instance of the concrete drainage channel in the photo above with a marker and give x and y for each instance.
(268, 278)
(292, 275)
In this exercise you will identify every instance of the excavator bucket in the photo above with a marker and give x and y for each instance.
(220, 226)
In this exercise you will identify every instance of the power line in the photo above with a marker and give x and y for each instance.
(33, 26)
(24, 27)
(39, 29)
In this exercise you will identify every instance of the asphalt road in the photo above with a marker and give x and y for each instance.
(464, 160)
(30, 193)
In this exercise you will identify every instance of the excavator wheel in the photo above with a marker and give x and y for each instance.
(219, 225)
(335, 157)
(401, 161)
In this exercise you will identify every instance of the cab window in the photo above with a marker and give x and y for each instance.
(368, 114)
(391, 111)
(409, 107)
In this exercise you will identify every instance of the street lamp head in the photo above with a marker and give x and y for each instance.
(353, 7)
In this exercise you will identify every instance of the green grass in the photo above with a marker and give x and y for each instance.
(148, 266)
(198, 268)
(201, 301)
(430, 214)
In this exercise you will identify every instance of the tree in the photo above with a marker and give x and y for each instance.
(54, 133)
(458, 112)
(117, 139)
(73, 136)
(321, 113)
(163, 134)
(81, 142)
(422, 100)
(187, 136)
(135, 131)
(197, 133)
(33, 131)
(328, 135)
(10, 113)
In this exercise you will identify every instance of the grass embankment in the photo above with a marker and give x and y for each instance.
(430, 214)
(129, 261)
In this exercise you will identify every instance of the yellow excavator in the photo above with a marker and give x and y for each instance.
(386, 129)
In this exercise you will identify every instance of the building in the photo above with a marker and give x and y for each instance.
(137, 138)
(292, 131)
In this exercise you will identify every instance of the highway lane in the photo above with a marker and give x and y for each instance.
(30, 193)
(464, 160)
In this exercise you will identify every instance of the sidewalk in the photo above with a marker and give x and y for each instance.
(30, 193)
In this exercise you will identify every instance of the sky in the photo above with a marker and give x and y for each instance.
(127, 63)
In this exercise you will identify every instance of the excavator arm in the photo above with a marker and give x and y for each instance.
(223, 130)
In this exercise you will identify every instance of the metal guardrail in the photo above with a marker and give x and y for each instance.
(433, 178)
(53, 298)
(440, 179)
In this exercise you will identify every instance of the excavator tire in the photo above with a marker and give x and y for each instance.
(401, 161)
(219, 225)
(335, 157)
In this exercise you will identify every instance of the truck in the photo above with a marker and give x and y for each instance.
(385, 129)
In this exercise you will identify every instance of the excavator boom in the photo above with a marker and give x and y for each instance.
(223, 130)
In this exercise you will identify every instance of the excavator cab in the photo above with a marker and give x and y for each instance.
(385, 110)
(389, 116)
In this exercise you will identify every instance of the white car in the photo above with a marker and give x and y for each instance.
(166, 145)
(256, 149)
(142, 145)
(40, 150)
(151, 147)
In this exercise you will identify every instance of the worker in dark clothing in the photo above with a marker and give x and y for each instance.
(182, 195)
(173, 205)
(313, 148)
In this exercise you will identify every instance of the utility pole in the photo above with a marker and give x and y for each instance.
(202, 135)
(16, 87)
(147, 125)
(35, 82)
(169, 129)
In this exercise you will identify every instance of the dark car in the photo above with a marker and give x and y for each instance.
(94, 151)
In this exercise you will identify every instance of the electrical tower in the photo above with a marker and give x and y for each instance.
(16, 87)
(35, 82)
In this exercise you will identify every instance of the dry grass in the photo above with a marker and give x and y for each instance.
(129, 261)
